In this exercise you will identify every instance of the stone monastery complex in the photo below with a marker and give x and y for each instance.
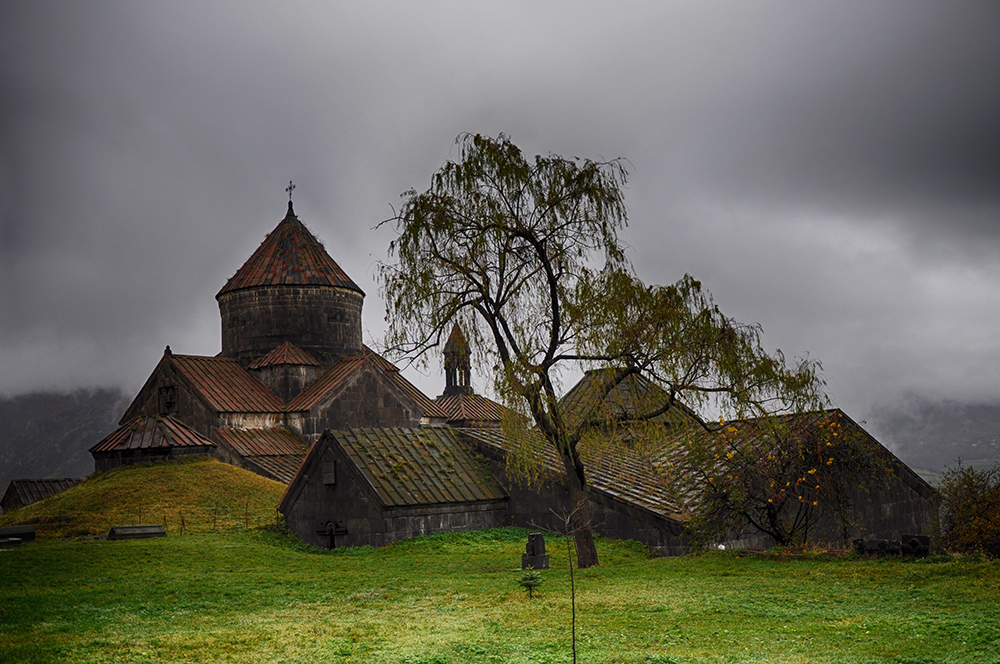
(368, 458)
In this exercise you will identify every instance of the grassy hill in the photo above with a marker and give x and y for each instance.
(200, 493)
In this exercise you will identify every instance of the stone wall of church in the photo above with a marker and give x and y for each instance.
(321, 320)
(368, 400)
(167, 394)
(904, 506)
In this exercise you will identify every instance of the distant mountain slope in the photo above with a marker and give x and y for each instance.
(47, 434)
(201, 492)
(934, 435)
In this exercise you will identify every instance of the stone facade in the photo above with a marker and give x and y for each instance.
(364, 399)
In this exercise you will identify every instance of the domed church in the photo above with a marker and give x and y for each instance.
(292, 365)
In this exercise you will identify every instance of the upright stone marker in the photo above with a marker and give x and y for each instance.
(534, 555)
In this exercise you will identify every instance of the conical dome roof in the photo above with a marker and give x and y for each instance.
(290, 255)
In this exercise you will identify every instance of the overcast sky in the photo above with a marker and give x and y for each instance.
(828, 170)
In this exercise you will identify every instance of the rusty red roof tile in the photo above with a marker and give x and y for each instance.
(275, 453)
(421, 466)
(286, 353)
(289, 255)
(280, 468)
(472, 410)
(262, 442)
(225, 385)
(150, 432)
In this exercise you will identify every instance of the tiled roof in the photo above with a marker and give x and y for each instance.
(225, 385)
(25, 492)
(280, 468)
(621, 473)
(275, 453)
(289, 255)
(471, 410)
(151, 432)
(636, 395)
(417, 466)
(340, 372)
(286, 353)
(262, 442)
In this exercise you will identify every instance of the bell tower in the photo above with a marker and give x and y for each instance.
(457, 363)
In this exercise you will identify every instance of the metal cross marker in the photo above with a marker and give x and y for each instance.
(290, 188)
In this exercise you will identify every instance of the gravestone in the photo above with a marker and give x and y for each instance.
(917, 546)
(23, 533)
(136, 532)
(534, 555)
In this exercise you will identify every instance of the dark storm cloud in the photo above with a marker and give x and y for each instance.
(830, 170)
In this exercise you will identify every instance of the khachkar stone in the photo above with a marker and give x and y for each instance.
(290, 290)
(534, 555)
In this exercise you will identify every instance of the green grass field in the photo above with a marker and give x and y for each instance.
(257, 596)
(223, 592)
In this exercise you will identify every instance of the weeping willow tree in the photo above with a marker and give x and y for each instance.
(526, 255)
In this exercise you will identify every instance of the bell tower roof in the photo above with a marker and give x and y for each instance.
(290, 255)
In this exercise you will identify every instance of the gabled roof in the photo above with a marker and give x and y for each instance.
(289, 255)
(634, 396)
(262, 442)
(286, 353)
(275, 453)
(471, 410)
(623, 474)
(25, 492)
(225, 385)
(339, 373)
(416, 466)
(151, 432)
